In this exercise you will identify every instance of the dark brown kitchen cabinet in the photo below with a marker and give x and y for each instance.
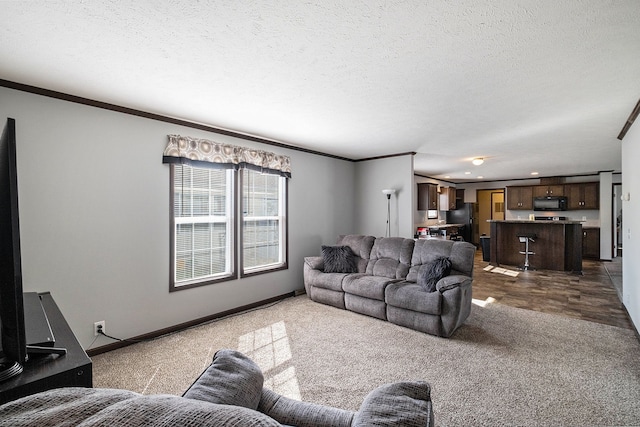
(427, 197)
(520, 198)
(548, 190)
(583, 195)
(591, 242)
(448, 199)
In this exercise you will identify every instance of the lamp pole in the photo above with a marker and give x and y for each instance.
(388, 215)
(388, 192)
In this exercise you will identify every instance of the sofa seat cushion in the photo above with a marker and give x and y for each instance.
(367, 286)
(413, 297)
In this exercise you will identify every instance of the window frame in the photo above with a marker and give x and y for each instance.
(236, 249)
(231, 193)
(283, 218)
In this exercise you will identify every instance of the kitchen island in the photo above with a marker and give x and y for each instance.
(557, 245)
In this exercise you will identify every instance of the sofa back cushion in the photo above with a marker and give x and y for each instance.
(360, 246)
(426, 251)
(390, 257)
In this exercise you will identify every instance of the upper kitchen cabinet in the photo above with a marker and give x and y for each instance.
(520, 198)
(548, 190)
(583, 195)
(448, 199)
(428, 197)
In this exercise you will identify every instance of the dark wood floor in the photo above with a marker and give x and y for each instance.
(591, 296)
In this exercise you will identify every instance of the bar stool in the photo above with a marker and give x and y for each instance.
(526, 238)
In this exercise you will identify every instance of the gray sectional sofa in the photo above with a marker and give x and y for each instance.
(387, 277)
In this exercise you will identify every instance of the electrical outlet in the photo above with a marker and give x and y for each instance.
(99, 326)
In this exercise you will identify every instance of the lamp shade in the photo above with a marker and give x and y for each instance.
(389, 191)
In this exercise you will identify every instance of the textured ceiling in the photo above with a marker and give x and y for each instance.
(536, 85)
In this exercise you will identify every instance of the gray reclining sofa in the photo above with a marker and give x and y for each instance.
(384, 281)
(229, 392)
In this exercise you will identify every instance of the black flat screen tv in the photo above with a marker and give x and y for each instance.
(13, 336)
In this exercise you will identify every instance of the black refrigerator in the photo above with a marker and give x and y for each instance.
(464, 214)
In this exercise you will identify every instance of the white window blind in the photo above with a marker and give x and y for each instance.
(228, 213)
(263, 210)
(202, 215)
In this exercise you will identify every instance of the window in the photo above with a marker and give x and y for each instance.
(263, 221)
(228, 203)
(202, 226)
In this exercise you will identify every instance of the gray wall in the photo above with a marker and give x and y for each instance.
(94, 212)
(372, 177)
(631, 223)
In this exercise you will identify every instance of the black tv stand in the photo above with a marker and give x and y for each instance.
(68, 367)
(36, 349)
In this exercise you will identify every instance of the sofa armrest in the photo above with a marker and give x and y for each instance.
(456, 302)
(398, 404)
(231, 379)
(315, 262)
(453, 281)
(292, 412)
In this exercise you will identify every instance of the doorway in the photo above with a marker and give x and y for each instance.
(490, 206)
(617, 220)
(497, 205)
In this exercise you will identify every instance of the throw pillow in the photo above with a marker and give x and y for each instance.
(430, 274)
(339, 259)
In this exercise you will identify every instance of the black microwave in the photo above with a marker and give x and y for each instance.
(550, 203)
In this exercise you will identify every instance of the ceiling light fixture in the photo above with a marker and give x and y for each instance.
(534, 173)
(477, 161)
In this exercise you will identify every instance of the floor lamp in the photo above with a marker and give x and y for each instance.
(388, 192)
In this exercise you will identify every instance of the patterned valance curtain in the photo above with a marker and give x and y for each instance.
(204, 153)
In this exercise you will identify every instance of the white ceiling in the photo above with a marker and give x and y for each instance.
(530, 85)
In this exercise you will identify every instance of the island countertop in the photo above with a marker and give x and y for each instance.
(557, 245)
(537, 221)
